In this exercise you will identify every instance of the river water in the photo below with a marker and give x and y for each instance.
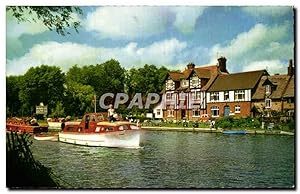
(175, 160)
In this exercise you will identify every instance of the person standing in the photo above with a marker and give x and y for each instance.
(111, 113)
(62, 124)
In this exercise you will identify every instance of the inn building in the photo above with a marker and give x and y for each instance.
(211, 90)
(184, 95)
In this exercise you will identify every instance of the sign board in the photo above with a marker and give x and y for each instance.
(42, 110)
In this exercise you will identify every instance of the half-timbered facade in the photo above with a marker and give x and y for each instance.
(184, 96)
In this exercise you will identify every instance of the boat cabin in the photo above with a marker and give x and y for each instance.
(97, 123)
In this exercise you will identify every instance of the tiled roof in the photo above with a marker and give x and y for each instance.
(244, 80)
(290, 89)
(175, 76)
(279, 82)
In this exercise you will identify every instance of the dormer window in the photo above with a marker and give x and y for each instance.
(184, 83)
(268, 89)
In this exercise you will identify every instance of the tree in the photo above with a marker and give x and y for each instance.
(13, 103)
(41, 84)
(145, 79)
(78, 98)
(57, 18)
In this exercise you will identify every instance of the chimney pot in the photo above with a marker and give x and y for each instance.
(191, 66)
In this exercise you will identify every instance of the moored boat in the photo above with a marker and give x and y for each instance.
(21, 125)
(234, 132)
(93, 130)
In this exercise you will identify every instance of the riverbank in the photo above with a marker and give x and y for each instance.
(208, 130)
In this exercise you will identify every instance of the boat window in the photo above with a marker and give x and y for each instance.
(123, 127)
(134, 127)
(93, 118)
(109, 129)
(70, 128)
(97, 129)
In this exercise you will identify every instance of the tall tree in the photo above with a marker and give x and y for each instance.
(42, 84)
(78, 98)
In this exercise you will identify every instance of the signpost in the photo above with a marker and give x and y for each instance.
(41, 109)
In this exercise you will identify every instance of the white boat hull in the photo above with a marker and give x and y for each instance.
(46, 138)
(124, 139)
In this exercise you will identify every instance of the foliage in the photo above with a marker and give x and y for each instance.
(22, 170)
(41, 84)
(146, 79)
(57, 18)
(78, 98)
(58, 111)
(237, 123)
(13, 102)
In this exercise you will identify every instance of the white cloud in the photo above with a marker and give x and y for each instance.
(126, 22)
(272, 66)
(258, 44)
(67, 54)
(186, 18)
(272, 11)
(139, 22)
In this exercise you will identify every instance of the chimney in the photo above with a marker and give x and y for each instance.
(222, 64)
(191, 66)
(291, 68)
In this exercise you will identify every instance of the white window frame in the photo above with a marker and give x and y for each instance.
(268, 103)
(194, 111)
(214, 96)
(198, 95)
(268, 89)
(238, 93)
(158, 112)
(237, 109)
(168, 96)
(184, 83)
(215, 108)
(226, 93)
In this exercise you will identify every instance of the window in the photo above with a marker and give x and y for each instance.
(215, 111)
(291, 100)
(182, 96)
(268, 103)
(170, 112)
(169, 96)
(196, 113)
(174, 96)
(214, 96)
(239, 95)
(237, 109)
(268, 89)
(184, 83)
(226, 95)
(158, 112)
(198, 95)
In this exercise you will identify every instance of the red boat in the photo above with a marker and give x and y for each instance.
(95, 130)
(21, 125)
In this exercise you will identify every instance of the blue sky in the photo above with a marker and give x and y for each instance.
(250, 38)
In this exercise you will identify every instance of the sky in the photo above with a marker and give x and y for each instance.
(251, 38)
